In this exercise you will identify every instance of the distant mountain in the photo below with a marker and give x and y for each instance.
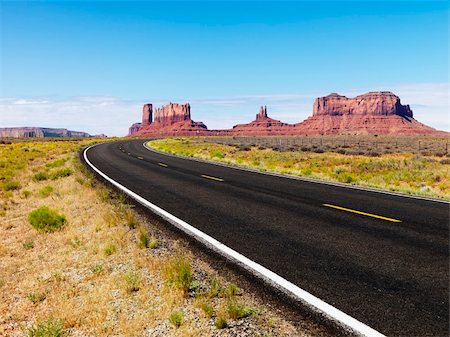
(20, 132)
(371, 113)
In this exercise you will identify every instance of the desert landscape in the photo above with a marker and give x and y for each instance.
(224, 169)
(77, 258)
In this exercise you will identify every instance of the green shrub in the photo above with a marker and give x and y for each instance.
(57, 163)
(97, 269)
(144, 239)
(105, 194)
(339, 170)
(40, 176)
(65, 172)
(121, 199)
(215, 288)
(345, 178)
(154, 244)
(176, 318)
(50, 328)
(306, 171)
(236, 311)
(207, 309)
(131, 219)
(232, 290)
(75, 242)
(219, 155)
(110, 249)
(132, 280)
(11, 185)
(177, 272)
(195, 284)
(46, 191)
(25, 194)
(28, 244)
(46, 220)
(221, 323)
(37, 297)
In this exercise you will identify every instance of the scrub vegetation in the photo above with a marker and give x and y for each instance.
(393, 164)
(76, 259)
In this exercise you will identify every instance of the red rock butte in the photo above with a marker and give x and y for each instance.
(169, 120)
(371, 113)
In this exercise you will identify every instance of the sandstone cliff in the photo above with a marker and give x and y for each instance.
(170, 119)
(172, 113)
(134, 128)
(147, 114)
(373, 103)
(371, 113)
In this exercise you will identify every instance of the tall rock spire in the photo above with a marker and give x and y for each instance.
(262, 113)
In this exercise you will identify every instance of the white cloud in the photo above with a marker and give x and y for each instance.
(93, 114)
(113, 116)
(429, 102)
(28, 102)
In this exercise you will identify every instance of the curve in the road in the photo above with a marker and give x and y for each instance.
(390, 274)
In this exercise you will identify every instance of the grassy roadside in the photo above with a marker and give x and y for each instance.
(402, 172)
(75, 259)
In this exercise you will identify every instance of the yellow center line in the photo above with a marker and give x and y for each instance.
(362, 213)
(162, 164)
(140, 158)
(212, 178)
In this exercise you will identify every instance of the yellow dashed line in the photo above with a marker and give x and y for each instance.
(163, 165)
(362, 213)
(140, 158)
(212, 178)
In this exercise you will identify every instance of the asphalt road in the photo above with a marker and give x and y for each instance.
(391, 273)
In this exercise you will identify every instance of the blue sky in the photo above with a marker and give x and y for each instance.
(91, 65)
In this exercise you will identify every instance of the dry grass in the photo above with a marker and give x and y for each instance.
(72, 281)
(438, 146)
(405, 172)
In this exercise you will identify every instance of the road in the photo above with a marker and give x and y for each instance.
(382, 259)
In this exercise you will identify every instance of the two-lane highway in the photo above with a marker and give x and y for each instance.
(383, 259)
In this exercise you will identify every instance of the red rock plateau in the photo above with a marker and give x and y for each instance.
(371, 113)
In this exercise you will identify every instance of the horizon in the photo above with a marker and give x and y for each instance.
(90, 66)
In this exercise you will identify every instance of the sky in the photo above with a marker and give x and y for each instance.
(90, 66)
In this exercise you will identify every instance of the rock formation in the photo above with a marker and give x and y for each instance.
(262, 125)
(134, 128)
(147, 114)
(373, 103)
(371, 113)
(21, 132)
(172, 113)
(262, 115)
(170, 119)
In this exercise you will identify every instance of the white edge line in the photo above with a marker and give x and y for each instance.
(332, 313)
